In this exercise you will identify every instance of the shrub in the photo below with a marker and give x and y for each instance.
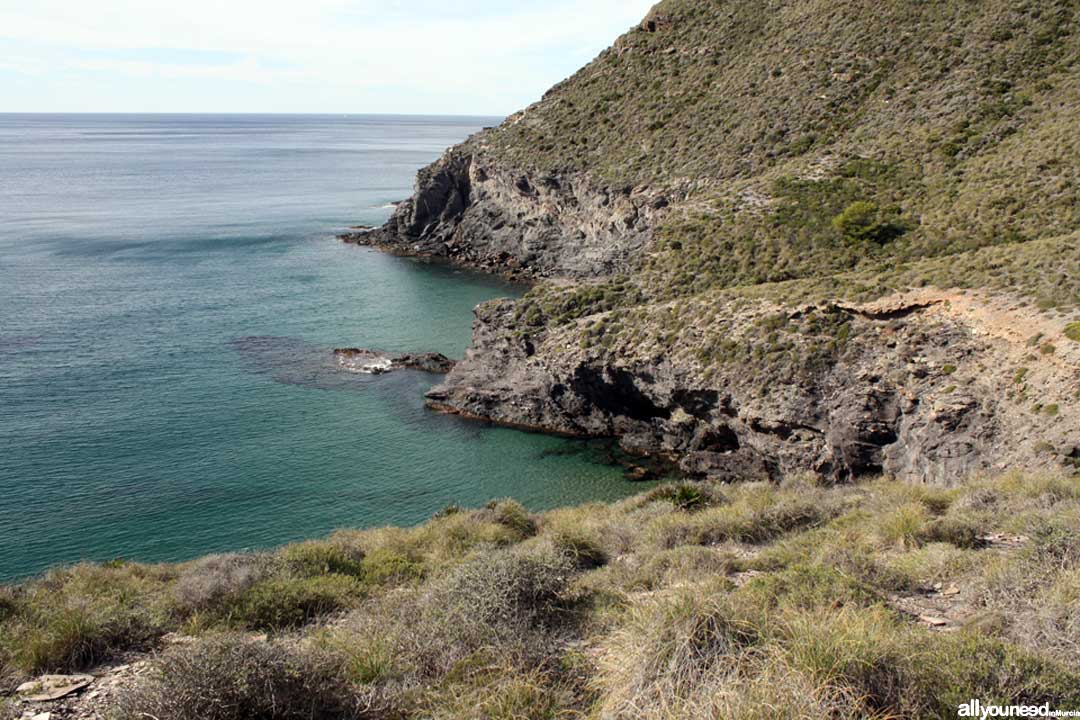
(580, 547)
(9, 603)
(502, 609)
(76, 617)
(686, 496)
(231, 678)
(281, 603)
(1072, 331)
(806, 586)
(513, 515)
(391, 566)
(211, 580)
(959, 533)
(521, 695)
(935, 562)
(667, 650)
(322, 558)
(750, 520)
(508, 587)
(682, 564)
(905, 525)
(863, 220)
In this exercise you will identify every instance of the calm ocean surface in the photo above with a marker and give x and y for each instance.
(170, 288)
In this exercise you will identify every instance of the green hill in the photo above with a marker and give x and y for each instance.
(800, 139)
(775, 223)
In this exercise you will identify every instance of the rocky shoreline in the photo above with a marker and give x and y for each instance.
(469, 210)
(890, 404)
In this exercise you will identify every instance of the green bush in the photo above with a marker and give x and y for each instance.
(513, 515)
(76, 617)
(960, 533)
(580, 547)
(282, 603)
(686, 496)
(1072, 331)
(865, 221)
(320, 558)
(391, 566)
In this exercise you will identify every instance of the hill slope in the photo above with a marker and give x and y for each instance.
(713, 198)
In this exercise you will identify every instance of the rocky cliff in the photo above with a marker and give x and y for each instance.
(766, 241)
(470, 209)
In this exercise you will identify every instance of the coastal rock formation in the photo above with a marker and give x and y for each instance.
(376, 362)
(916, 398)
(470, 210)
(767, 240)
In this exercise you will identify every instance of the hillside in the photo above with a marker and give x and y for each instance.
(710, 205)
(871, 600)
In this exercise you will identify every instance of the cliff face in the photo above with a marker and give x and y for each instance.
(474, 211)
(923, 389)
(748, 223)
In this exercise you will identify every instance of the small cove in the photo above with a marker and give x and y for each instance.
(170, 290)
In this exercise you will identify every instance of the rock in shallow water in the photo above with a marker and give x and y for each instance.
(376, 362)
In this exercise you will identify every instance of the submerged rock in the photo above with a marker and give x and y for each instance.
(376, 362)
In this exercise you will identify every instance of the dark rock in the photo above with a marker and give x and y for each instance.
(482, 215)
(376, 362)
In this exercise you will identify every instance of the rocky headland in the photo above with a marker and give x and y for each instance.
(805, 299)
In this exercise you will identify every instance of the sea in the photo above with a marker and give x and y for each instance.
(171, 290)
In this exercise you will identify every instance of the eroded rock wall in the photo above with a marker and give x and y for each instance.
(889, 404)
(472, 211)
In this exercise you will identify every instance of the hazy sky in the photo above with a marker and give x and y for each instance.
(337, 56)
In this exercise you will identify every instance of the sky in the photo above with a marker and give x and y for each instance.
(461, 57)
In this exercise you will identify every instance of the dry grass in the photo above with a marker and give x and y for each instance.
(691, 601)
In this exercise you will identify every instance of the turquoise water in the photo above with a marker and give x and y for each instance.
(170, 288)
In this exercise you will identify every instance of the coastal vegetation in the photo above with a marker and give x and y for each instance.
(876, 599)
(815, 144)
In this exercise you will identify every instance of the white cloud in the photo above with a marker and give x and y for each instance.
(498, 56)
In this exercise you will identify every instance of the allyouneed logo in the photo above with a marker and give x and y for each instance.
(975, 709)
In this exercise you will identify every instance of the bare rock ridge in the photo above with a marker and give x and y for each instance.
(746, 226)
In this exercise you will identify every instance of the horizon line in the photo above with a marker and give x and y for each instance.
(234, 113)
